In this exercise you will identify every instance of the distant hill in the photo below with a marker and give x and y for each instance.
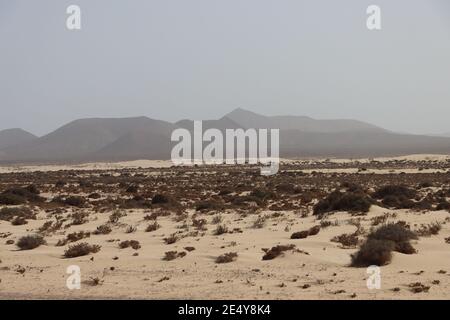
(118, 139)
(13, 137)
(83, 139)
(250, 119)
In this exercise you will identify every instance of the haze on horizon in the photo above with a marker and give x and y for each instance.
(200, 59)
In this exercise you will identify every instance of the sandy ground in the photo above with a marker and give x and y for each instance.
(167, 163)
(319, 271)
(88, 166)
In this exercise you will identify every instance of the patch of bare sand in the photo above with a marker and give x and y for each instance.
(319, 271)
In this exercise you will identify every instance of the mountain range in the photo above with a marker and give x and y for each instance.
(116, 139)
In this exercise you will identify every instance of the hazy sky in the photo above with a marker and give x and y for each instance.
(199, 59)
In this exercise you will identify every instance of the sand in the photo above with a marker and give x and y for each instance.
(324, 270)
(319, 269)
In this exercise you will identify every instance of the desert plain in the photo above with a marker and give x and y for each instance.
(150, 230)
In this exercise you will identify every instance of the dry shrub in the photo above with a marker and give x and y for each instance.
(73, 237)
(276, 251)
(304, 234)
(116, 215)
(221, 229)
(16, 196)
(396, 232)
(130, 229)
(130, 243)
(260, 222)
(30, 242)
(287, 188)
(50, 226)
(396, 196)
(314, 230)
(132, 189)
(94, 281)
(75, 201)
(262, 194)
(208, 205)
(338, 201)
(172, 255)
(377, 250)
(395, 190)
(418, 287)
(373, 252)
(227, 257)
(171, 239)
(81, 249)
(300, 234)
(152, 227)
(200, 224)
(11, 199)
(443, 205)
(18, 221)
(216, 219)
(224, 192)
(79, 218)
(160, 198)
(8, 214)
(103, 229)
(347, 240)
(429, 230)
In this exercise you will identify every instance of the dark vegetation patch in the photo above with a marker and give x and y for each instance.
(152, 227)
(227, 257)
(171, 239)
(276, 251)
(398, 197)
(130, 243)
(81, 249)
(377, 249)
(221, 229)
(172, 255)
(30, 242)
(304, 234)
(16, 196)
(73, 237)
(74, 201)
(429, 229)
(347, 240)
(103, 229)
(8, 214)
(343, 201)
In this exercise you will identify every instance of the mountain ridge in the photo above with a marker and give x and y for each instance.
(133, 138)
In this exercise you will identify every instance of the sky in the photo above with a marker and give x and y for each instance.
(200, 59)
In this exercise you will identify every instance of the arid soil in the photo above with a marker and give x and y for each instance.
(226, 232)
